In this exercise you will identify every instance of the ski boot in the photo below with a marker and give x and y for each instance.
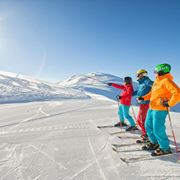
(120, 124)
(144, 139)
(132, 128)
(150, 146)
(160, 152)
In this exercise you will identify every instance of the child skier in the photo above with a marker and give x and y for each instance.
(164, 93)
(125, 100)
(143, 88)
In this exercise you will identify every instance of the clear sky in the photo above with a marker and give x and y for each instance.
(54, 39)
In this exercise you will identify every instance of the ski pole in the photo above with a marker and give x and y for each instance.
(135, 117)
(97, 80)
(134, 113)
(117, 97)
(169, 117)
(175, 142)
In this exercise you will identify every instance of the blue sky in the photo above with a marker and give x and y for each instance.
(55, 39)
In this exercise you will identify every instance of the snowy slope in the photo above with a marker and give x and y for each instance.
(19, 88)
(95, 83)
(59, 140)
(55, 140)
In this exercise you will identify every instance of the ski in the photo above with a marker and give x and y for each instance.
(122, 145)
(173, 155)
(140, 141)
(130, 150)
(128, 137)
(119, 132)
(106, 126)
(110, 126)
(124, 131)
(117, 147)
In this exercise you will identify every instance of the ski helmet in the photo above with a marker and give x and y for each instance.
(141, 71)
(128, 80)
(162, 69)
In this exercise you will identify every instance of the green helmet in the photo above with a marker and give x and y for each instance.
(162, 69)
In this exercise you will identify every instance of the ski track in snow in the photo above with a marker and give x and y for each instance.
(11, 130)
(16, 164)
(59, 165)
(99, 166)
(95, 160)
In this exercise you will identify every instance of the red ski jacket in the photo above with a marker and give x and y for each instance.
(126, 95)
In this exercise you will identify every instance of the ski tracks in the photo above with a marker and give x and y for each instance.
(14, 163)
(95, 160)
(59, 165)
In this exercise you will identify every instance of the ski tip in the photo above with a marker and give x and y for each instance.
(124, 160)
(113, 145)
(119, 137)
(114, 149)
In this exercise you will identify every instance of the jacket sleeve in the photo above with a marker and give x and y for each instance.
(174, 90)
(147, 96)
(118, 86)
(135, 93)
(149, 83)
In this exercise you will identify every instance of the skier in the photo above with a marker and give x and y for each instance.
(164, 94)
(125, 100)
(143, 88)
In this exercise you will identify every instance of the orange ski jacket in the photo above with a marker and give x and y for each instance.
(163, 89)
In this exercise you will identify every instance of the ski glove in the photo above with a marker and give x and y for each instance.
(165, 104)
(118, 97)
(140, 98)
(109, 84)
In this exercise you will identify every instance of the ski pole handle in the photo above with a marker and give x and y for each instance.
(97, 80)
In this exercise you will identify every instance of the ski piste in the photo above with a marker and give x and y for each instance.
(174, 156)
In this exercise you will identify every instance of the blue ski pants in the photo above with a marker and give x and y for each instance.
(124, 114)
(155, 128)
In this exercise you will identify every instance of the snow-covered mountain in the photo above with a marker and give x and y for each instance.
(95, 83)
(20, 88)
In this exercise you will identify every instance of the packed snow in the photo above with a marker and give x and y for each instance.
(58, 138)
